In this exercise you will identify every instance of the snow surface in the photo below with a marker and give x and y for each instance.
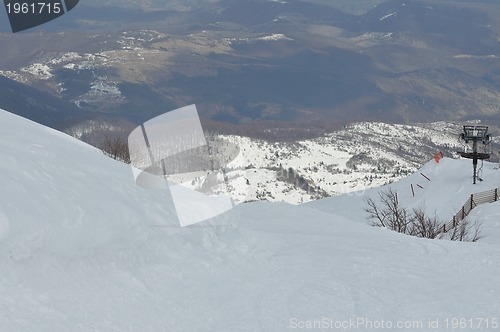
(387, 16)
(39, 70)
(448, 188)
(360, 156)
(82, 248)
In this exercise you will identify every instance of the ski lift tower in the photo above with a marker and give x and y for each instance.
(475, 134)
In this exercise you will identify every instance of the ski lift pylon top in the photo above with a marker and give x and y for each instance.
(475, 134)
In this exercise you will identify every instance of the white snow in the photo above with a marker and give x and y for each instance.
(102, 90)
(65, 57)
(360, 156)
(387, 16)
(275, 36)
(12, 75)
(82, 248)
(447, 191)
(470, 56)
(39, 70)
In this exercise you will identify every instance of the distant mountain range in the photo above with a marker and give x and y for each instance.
(265, 64)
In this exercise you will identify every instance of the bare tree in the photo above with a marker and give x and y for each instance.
(467, 230)
(116, 148)
(423, 225)
(390, 214)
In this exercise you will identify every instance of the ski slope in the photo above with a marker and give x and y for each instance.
(82, 248)
(440, 188)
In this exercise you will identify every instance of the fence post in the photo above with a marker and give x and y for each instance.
(471, 201)
(496, 194)
(444, 228)
(463, 212)
(454, 221)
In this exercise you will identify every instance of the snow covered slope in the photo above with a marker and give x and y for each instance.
(359, 156)
(441, 188)
(83, 249)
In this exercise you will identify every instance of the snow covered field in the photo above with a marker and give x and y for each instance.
(362, 155)
(440, 188)
(82, 248)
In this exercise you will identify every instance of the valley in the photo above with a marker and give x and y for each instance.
(300, 66)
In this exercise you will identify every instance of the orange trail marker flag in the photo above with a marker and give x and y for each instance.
(438, 156)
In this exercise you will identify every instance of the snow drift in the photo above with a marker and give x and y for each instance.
(82, 248)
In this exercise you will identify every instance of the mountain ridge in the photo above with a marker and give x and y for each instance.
(411, 66)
